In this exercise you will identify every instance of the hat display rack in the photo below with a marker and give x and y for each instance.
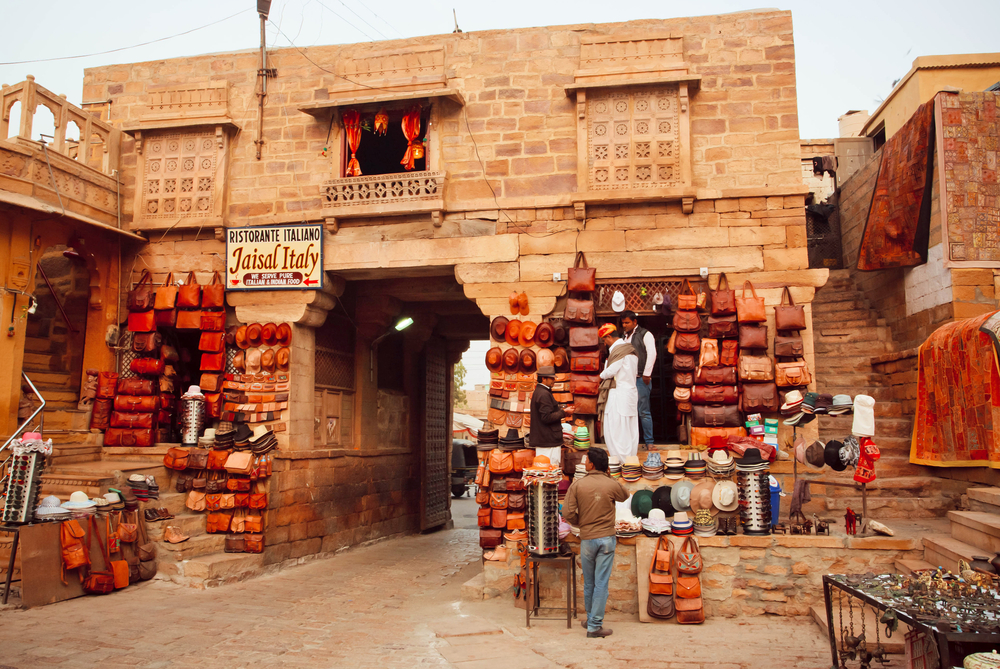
(513, 369)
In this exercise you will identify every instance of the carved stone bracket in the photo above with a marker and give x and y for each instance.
(687, 205)
(437, 218)
(580, 210)
(332, 224)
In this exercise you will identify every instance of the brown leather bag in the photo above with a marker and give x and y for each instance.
(141, 297)
(497, 416)
(131, 420)
(759, 397)
(722, 327)
(215, 362)
(211, 382)
(253, 543)
(523, 458)
(140, 404)
(123, 437)
(483, 517)
(98, 582)
(750, 309)
(789, 316)
(581, 277)
(166, 295)
(701, 437)
(213, 321)
(165, 318)
(688, 587)
(234, 543)
(188, 319)
(661, 582)
(189, 295)
(687, 299)
(585, 384)
(687, 321)
(726, 416)
(141, 321)
(585, 404)
(722, 299)
(709, 354)
(689, 611)
(685, 379)
(176, 458)
(788, 346)
(687, 341)
(729, 354)
(100, 417)
(714, 395)
(498, 500)
(579, 311)
(147, 366)
(755, 368)
(516, 501)
(213, 295)
(792, 374)
(106, 385)
(515, 520)
(213, 405)
(212, 342)
(198, 458)
(147, 342)
(585, 361)
(583, 337)
(716, 376)
(685, 361)
(753, 335)
(490, 538)
(514, 419)
(498, 518)
(501, 462)
(72, 547)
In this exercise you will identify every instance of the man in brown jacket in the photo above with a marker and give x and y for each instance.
(590, 505)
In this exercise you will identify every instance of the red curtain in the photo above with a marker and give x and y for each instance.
(411, 130)
(352, 126)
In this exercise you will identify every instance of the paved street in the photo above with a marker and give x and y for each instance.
(392, 604)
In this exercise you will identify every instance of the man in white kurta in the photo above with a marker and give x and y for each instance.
(621, 423)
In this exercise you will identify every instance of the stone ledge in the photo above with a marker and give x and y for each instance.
(893, 357)
(338, 453)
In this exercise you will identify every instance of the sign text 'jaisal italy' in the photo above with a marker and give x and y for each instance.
(274, 257)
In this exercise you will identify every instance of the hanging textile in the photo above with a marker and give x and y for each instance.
(411, 130)
(352, 127)
(381, 122)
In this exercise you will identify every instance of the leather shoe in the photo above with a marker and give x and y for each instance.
(599, 634)
(583, 623)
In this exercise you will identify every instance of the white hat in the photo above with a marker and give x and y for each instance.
(864, 416)
(724, 496)
(209, 434)
(618, 302)
(79, 500)
(657, 514)
(112, 497)
(194, 391)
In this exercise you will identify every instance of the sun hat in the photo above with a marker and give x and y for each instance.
(513, 332)
(681, 524)
(680, 495)
(800, 449)
(793, 398)
(656, 514)
(831, 455)
(618, 302)
(241, 337)
(498, 328)
(494, 359)
(561, 359)
(606, 329)
(661, 500)
(701, 497)
(511, 360)
(527, 361)
(254, 334)
(259, 432)
(284, 334)
(841, 404)
(823, 403)
(269, 334)
(725, 497)
(79, 500)
(864, 416)
(545, 335)
(642, 502)
(526, 335)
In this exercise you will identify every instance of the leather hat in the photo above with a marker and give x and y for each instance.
(269, 334)
(815, 453)
(561, 359)
(527, 335)
(267, 360)
(241, 337)
(831, 455)
(513, 332)
(231, 335)
(282, 358)
(528, 362)
(498, 328)
(546, 371)
(253, 360)
(545, 335)
(661, 500)
(546, 358)
(494, 359)
(238, 364)
(284, 334)
(511, 360)
(561, 333)
(254, 334)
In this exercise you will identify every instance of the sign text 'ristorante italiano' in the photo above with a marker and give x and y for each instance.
(275, 257)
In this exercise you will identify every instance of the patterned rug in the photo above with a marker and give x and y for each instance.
(958, 397)
(898, 226)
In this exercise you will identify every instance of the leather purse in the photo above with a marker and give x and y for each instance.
(515, 520)
(711, 416)
(107, 383)
(189, 295)
(210, 382)
(501, 462)
(165, 318)
(660, 606)
(217, 459)
(213, 405)
(240, 462)
(253, 543)
(490, 538)
(585, 361)
(98, 582)
(583, 337)
(585, 404)
(716, 376)
(701, 437)
(123, 437)
(581, 277)
(689, 611)
(516, 501)
(131, 421)
(523, 457)
(213, 501)
(753, 335)
(188, 319)
(687, 341)
(685, 361)
(176, 458)
(585, 384)
(787, 374)
(789, 316)
(141, 297)
(714, 395)
(682, 394)
(198, 458)
(687, 321)
(166, 295)
(661, 582)
(146, 366)
(579, 311)
(759, 398)
(687, 299)
(215, 362)
(688, 587)
(685, 379)
(213, 295)
(514, 419)
(484, 516)
(212, 342)
(498, 500)
(788, 346)
(563, 398)
(497, 416)
(127, 533)
(227, 501)
(689, 558)
(235, 543)
(729, 354)
(709, 355)
(722, 327)
(147, 342)
(722, 299)
(141, 321)
(755, 368)
(483, 497)
(498, 518)
(750, 309)
(213, 321)
(498, 484)
(100, 417)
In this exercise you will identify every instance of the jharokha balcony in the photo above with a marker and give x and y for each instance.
(384, 194)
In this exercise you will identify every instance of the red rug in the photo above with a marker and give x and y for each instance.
(958, 398)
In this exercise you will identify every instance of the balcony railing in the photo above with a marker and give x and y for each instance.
(376, 195)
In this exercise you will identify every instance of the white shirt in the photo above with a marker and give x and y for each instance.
(650, 345)
(624, 397)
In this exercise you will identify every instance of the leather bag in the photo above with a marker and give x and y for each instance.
(689, 557)
(661, 582)
(141, 321)
(685, 362)
(759, 398)
(682, 394)
(729, 354)
(709, 356)
(585, 361)
(750, 309)
(689, 342)
(709, 416)
(701, 437)
(213, 295)
(484, 516)
(98, 582)
(141, 297)
(689, 611)
(147, 342)
(146, 550)
(213, 405)
(127, 533)
(687, 321)
(514, 419)
(688, 587)
(123, 437)
(176, 458)
(723, 327)
(483, 497)
(72, 547)
(165, 318)
(716, 376)
(790, 374)
(253, 543)
(198, 458)
(189, 295)
(217, 459)
(496, 416)
(516, 501)
(501, 462)
(213, 362)
(132, 421)
(753, 335)
(788, 346)
(213, 321)
(240, 462)
(107, 383)
(188, 319)
(583, 338)
(212, 342)
(498, 518)
(139, 404)
(789, 316)
(579, 311)
(210, 382)
(581, 277)
(523, 457)
(684, 379)
(755, 368)
(234, 543)
(660, 606)
(515, 520)
(100, 417)
(585, 405)
(166, 295)
(498, 500)
(687, 299)
(490, 538)
(722, 299)
(146, 366)
(720, 395)
(584, 384)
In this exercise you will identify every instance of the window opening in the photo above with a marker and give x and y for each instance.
(381, 154)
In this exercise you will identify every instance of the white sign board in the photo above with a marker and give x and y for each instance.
(275, 257)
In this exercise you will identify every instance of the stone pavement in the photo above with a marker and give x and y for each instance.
(395, 603)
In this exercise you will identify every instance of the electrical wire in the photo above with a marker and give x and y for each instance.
(342, 19)
(126, 48)
(381, 19)
(384, 36)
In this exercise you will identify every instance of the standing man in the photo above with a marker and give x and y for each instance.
(545, 434)
(644, 343)
(590, 505)
(619, 396)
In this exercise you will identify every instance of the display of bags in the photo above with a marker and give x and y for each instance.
(213, 295)
(716, 376)
(789, 316)
(148, 342)
(709, 356)
(750, 309)
(579, 311)
(141, 297)
(583, 337)
(685, 379)
(701, 437)
(146, 366)
(722, 327)
(788, 346)
(753, 335)
(689, 557)
(581, 277)
(687, 321)
(714, 395)
(585, 404)
(722, 299)
(123, 437)
(716, 416)
(132, 421)
(585, 361)
(689, 611)
(791, 374)
(687, 341)
(759, 397)
(755, 368)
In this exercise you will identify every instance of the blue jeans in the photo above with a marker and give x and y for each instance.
(597, 557)
(645, 416)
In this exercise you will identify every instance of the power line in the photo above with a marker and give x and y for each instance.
(384, 36)
(381, 19)
(125, 48)
(341, 18)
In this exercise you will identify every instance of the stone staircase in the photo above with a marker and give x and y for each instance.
(974, 533)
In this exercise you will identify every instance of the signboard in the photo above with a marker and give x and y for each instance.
(275, 257)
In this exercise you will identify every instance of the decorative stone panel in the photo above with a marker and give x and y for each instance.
(381, 194)
(179, 176)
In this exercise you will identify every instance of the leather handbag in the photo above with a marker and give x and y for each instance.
(146, 366)
(722, 327)
(515, 520)
(687, 341)
(215, 484)
(139, 404)
(107, 383)
(213, 405)
(755, 368)
(188, 319)
(682, 394)
(497, 416)
(147, 342)
(787, 374)
(714, 395)
(134, 386)
(722, 299)
(714, 416)
(123, 437)
(484, 516)
(661, 582)
(788, 346)
(688, 587)
(166, 295)
(585, 384)
(789, 316)
(483, 497)
(701, 437)
(501, 462)
(127, 533)
(759, 398)
(189, 295)
(579, 311)
(498, 484)
(132, 421)
(141, 321)
(498, 500)
(729, 354)
(210, 382)
(687, 321)
(100, 417)
(685, 361)
(253, 543)
(165, 318)
(514, 419)
(490, 538)
(716, 376)
(240, 462)
(753, 335)
(523, 457)
(689, 611)
(585, 405)
(213, 295)
(212, 342)
(214, 362)
(498, 518)
(687, 299)
(581, 277)
(684, 379)
(583, 337)
(750, 309)
(709, 355)
(585, 361)
(176, 458)
(660, 606)
(234, 543)
(198, 458)
(141, 297)
(227, 501)
(516, 501)
(217, 459)
(689, 558)
(213, 321)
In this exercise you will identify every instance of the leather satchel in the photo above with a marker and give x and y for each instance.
(792, 374)
(234, 543)
(254, 522)
(750, 309)
(501, 462)
(689, 611)
(210, 382)
(660, 606)
(709, 416)
(687, 299)
(753, 335)
(132, 421)
(166, 295)
(498, 416)
(498, 518)
(682, 394)
(98, 582)
(585, 384)
(729, 354)
(189, 295)
(684, 379)
(688, 587)
(523, 457)
(107, 383)
(498, 500)
(579, 311)
(253, 543)
(188, 319)
(490, 538)
(722, 327)
(716, 376)
(514, 419)
(213, 362)
(165, 318)
(146, 366)
(483, 517)
(141, 297)
(176, 458)
(687, 341)
(687, 321)
(515, 520)
(789, 316)
(701, 437)
(217, 459)
(709, 356)
(240, 462)
(788, 346)
(689, 558)
(213, 295)
(198, 458)
(147, 342)
(213, 321)
(581, 277)
(722, 299)
(661, 582)
(585, 405)
(714, 395)
(685, 361)
(123, 437)
(516, 501)
(141, 321)
(583, 337)
(100, 417)
(212, 342)
(755, 368)
(585, 361)
(759, 398)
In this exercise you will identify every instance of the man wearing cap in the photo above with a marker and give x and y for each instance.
(590, 505)
(619, 396)
(546, 417)
(644, 343)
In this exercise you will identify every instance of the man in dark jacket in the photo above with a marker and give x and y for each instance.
(546, 416)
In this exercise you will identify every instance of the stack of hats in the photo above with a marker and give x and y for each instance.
(562, 487)
(50, 509)
(841, 404)
(241, 440)
(674, 465)
(580, 471)
(115, 501)
(721, 464)
(263, 440)
(805, 410)
(581, 438)
(793, 403)
(614, 467)
(103, 505)
(824, 402)
(681, 525)
(656, 523)
(131, 501)
(512, 441)
(487, 440)
(751, 461)
(225, 440)
(626, 524)
(144, 487)
(695, 467)
(541, 470)
(207, 440)
(631, 469)
(80, 504)
(652, 468)
(705, 524)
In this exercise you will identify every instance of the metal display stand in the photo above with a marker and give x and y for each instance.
(863, 487)
(531, 611)
(16, 531)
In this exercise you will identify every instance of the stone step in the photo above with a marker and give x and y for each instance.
(833, 323)
(67, 419)
(191, 524)
(59, 396)
(837, 349)
(984, 499)
(897, 486)
(945, 551)
(843, 334)
(193, 547)
(894, 646)
(211, 571)
(977, 528)
(58, 380)
(37, 345)
(69, 437)
(841, 303)
(907, 567)
(893, 507)
(172, 501)
(74, 454)
(35, 362)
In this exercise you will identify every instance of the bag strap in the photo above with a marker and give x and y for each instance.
(216, 279)
(92, 525)
(169, 281)
(144, 538)
(686, 286)
(787, 293)
(145, 278)
(747, 283)
(192, 279)
(722, 280)
(580, 261)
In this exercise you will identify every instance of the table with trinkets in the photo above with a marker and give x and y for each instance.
(961, 613)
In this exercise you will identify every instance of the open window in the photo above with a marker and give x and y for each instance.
(382, 148)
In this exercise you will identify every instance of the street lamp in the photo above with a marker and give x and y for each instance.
(400, 325)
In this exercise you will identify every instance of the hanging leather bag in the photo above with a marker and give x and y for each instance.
(165, 318)
(581, 277)
(685, 362)
(100, 417)
(585, 361)
(128, 532)
(189, 295)
(661, 581)
(714, 395)
(213, 321)
(585, 384)
(98, 582)
(722, 327)
(789, 316)
(709, 416)
(687, 299)
(759, 398)
(689, 557)
(687, 321)
(106, 385)
(690, 611)
(792, 374)
(134, 386)
(585, 405)
(166, 295)
(788, 346)
(148, 342)
(687, 341)
(188, 319)
(72, 547)
(141, 297)
(213, 362)
(197, 458)
(709, 356)
(141, 321)
(501, 462)
(723, 300)
(729, 354)
(755, 368)
(583, 337)
(490, 538)
(716, 376)
(146, 366)
(750, 309)
(579, 311)
(688, 587)
(176, 458)
(753, 335)
(684, 379)
(139, 404)
(212, 342)
(213, 295)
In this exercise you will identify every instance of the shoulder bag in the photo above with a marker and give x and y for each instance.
(106, 385)
(498, 517)
(687, 299)
(490, 538)
(100, 418)
(189, 295)
(585, 405)
(166, 295)
(722, 327)
(788, 346)
(98, 582)
(585, 384)
(685, 362)
(790, 374)
(750, 309)
(498, 500)
(237, 463)
(682, 394)
(755, 368)
(684, 379)
(197, 458)
(759, 398)
(213, 295)
(714, 395)
(213, 321)
(690, 611)
(212, 342)
(585, 361)
(501, 462)
(715, 416)
(753, 335)
(579, 311)
(148, 342)
(687, 320)
(483, 516)
(583, 337)
(140, 298)
(688, 587)
(514, 419)
(716, 376)
(789, 316)
(128, 532)
(176, 458)
(722, 298)
(581, 277)
(689, 557)
(141, 321)
(72, 547)
(729, 354)
(709, 356)
(660, 580)
(188, 319)
(687, 341)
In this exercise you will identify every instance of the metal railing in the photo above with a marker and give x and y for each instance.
(6, 457)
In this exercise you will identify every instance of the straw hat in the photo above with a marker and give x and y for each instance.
(79, 500)
(701, 497)
(725, 497)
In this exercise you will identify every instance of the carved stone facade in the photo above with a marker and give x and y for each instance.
(180, 175)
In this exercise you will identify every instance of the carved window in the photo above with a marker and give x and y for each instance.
(632, 135)
(180, 175)
(382, 153)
